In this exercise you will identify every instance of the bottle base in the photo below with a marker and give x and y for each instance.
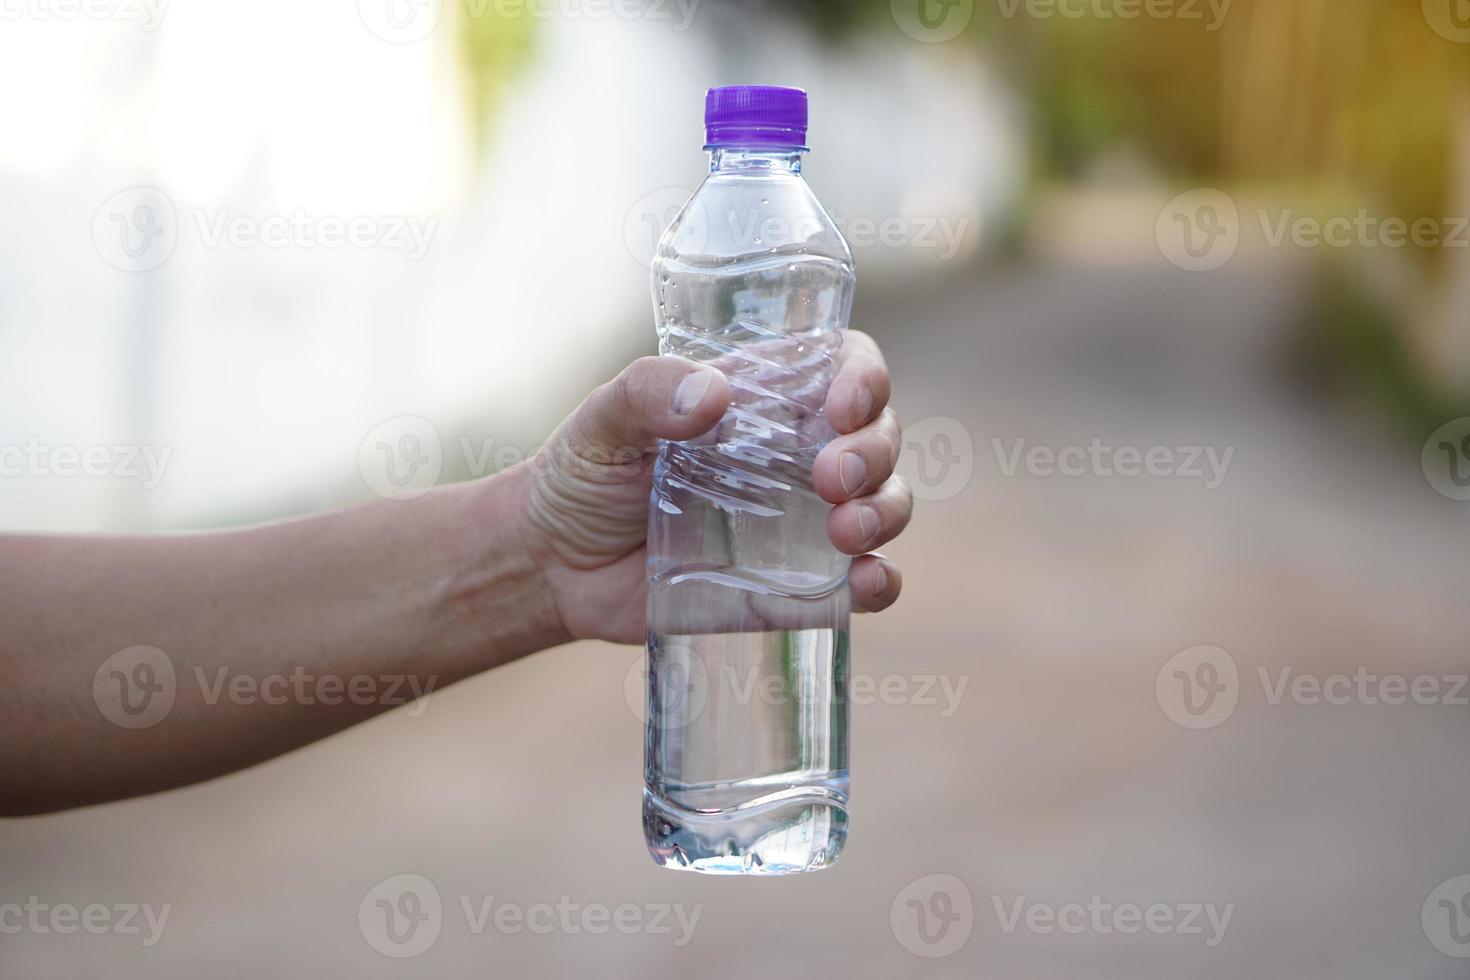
(782, 834)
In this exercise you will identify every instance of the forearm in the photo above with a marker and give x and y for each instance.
(276, 636)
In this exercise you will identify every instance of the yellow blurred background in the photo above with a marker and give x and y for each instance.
(1176, 295)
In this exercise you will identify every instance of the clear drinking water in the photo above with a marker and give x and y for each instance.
(746, 765)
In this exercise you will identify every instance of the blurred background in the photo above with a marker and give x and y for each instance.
(1176, 295)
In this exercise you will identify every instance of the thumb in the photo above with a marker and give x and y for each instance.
(653, 398)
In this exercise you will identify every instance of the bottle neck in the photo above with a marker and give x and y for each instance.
(741, 159)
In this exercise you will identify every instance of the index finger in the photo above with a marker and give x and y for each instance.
(860, 389)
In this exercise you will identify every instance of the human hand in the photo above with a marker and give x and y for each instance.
(586, 493)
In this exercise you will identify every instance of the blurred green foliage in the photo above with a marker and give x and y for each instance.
(1368, 355)
(492, 48)
(1360, 92)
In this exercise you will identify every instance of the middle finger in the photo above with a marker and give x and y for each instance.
(855, 465)
(864, 524)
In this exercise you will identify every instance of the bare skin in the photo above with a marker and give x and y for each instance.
(430, 590)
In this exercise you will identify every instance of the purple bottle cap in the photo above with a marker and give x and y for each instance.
(755, 116)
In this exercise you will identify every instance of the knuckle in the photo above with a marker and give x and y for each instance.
(620, 394)
(855, 344)
(892, 430)
(634, 383)
(901, 492)
(605, 397)
(878, 379)
(637, 375)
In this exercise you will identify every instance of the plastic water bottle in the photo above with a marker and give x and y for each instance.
(748, 607)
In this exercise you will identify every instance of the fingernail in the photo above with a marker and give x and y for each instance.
(862, 404)
(853, 470)
(867, 521)
(882, 579)
(691, 391)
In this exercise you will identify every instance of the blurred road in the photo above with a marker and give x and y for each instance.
(1056, 600)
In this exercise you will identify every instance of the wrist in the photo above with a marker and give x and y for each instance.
(498, 598)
